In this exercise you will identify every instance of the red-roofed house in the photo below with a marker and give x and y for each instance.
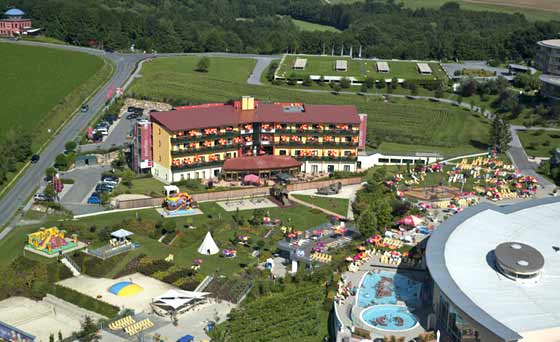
(193, 142)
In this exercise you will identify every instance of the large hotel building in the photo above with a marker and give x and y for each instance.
(248, 136)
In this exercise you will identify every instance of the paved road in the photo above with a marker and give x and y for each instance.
(31, 177)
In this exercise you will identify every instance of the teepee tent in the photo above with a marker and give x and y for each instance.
(208, 246)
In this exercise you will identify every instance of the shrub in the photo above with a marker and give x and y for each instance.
(83, 301)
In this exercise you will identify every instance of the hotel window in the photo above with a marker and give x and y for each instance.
(347, 168)
(282, 152)
(348, 139)
(228, 155)
(346, 153)
(315, 153)
(297, 153)
(314, 168)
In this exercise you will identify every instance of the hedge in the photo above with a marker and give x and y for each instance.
(81, 300)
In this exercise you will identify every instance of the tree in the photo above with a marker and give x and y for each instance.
(60, 336)
(364, 88)
(127, 177)
(203, 64)
(371, 208)
(49, 191)
(500, 134)
(345, 82)
(307, 81)
(336, 88)
(89, 331)
(50, 172)
(70, 146)
(369, 82)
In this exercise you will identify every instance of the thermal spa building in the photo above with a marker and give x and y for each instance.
(248, 136)
(496, 273)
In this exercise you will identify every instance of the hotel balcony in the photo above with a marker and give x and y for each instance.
(245, 131)
(328, 159)
(202, 150)
(202, 137)
(323, 144)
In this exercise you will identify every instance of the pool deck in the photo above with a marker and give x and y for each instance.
(349, 313)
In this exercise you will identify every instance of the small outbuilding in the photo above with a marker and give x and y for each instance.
(300, 63)
(341, 65)
(424, 68)
(383, 67)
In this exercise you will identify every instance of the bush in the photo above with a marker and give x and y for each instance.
(203, 64)
(345, 83)
(83, 301)
(70, 146)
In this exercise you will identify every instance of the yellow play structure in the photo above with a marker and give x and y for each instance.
(51, 240)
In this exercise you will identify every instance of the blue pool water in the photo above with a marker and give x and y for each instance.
(389, 317)
(386, 288)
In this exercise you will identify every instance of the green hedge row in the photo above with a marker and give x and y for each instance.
(86, 302)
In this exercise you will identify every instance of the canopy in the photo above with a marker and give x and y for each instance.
(251, 179)
(283, 176)
(410, 220)
(208, 246)
(121, 233)
(178, 298)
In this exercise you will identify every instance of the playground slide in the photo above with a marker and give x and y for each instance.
(43, 244)
(180, 201)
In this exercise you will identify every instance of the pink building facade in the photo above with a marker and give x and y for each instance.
(14, 23)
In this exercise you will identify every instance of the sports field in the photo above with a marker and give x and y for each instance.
(403, 125)
(360, 69)
(43, 86)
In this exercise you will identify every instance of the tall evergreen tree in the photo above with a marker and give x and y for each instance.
(500, 134)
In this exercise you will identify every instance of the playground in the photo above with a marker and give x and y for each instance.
(246, 204)
(177, 203)
(50, 242)
(134, 291)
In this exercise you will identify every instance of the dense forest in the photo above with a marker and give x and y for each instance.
(384, 28)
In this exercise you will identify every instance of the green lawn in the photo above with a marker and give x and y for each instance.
(44, 86)
(336, 205)
(307, 26)
(411, 124)
(539, 143)
(360, 69)
(153, 187)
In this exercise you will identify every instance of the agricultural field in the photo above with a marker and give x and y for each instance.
(307, 26)
(360, 69)
(430, 127)
(45, 87)
(539, 143)
(532, 9)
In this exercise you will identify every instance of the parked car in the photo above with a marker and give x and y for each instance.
(35, 158)
(101, 187)
(95, 198)
(104, 124)
(111, 182)
(101, 130)
(109, 50)
(110, 118)
(131, 116)
(84, 108)
(41, 198)
(109, 177)
(135, 110)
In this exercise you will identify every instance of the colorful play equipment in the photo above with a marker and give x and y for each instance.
(51, 240)
(175, 200)
(125, 289)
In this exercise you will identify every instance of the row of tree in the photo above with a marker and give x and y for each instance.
(15, 148)
(381, 28)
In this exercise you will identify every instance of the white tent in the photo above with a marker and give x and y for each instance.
(208, 246)
(179, 300)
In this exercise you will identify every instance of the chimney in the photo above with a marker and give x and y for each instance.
(247, 103)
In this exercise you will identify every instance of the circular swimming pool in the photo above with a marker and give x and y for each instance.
(389, 317)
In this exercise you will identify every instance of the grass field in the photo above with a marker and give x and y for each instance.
(532, 9)
(538, 143)
(45, 86)
(360, 69)
(307, 26)
(412, 125)
(336, 205)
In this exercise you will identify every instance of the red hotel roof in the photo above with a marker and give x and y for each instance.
(259, 163)
(204, 117)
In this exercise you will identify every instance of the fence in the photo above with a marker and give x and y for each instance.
(238, 193)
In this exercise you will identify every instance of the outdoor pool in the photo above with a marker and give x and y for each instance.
(386, 288)
(389, 317)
